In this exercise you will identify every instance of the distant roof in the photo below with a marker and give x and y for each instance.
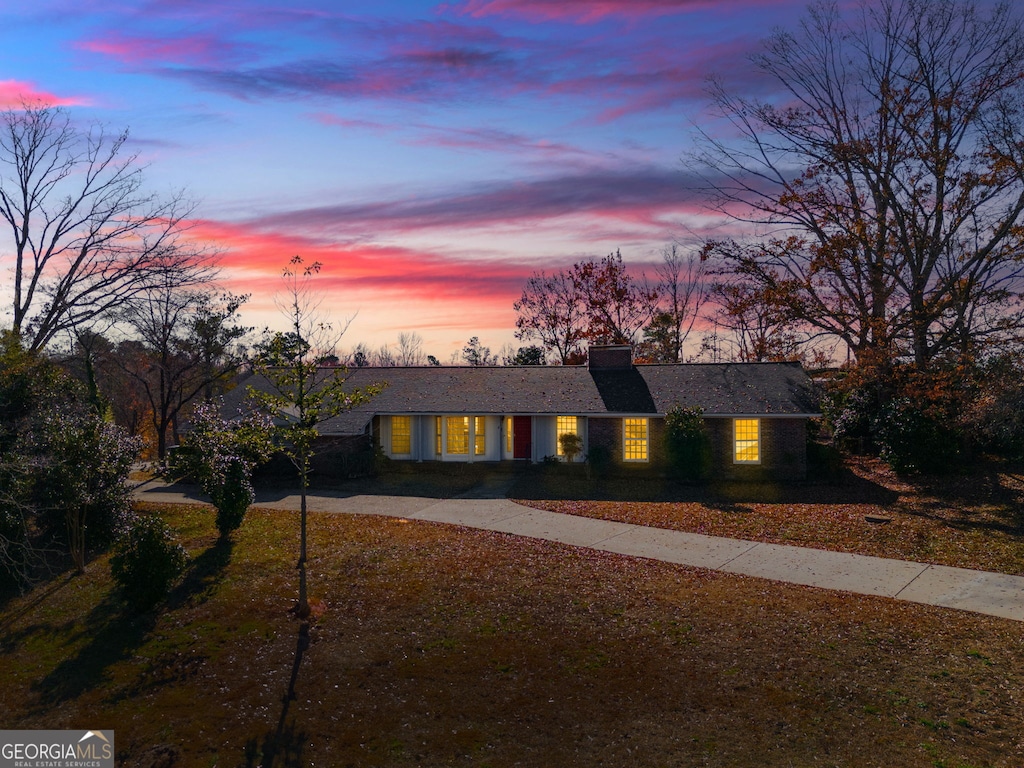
(719, 389)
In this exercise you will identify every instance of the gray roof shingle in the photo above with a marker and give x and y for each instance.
(753, 389)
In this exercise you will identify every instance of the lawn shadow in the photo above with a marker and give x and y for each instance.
(114, 633)
(113, 636)
(34, 599)
(573, 483)
(433, 480)
(989, 498)
(203, 575)
(281, 747)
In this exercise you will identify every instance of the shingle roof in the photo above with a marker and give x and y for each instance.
(735, 389)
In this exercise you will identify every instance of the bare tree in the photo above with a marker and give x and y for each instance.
(84, 234)
(682, 291)
(748, 329)
(188, 345)
(888, 176)
(384, 357)
(410, 349)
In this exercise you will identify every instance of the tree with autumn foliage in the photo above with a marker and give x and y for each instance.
(748, 327)
(593, 301)
(888, 170)
(551, 310)
(886, 176)
(618, 305)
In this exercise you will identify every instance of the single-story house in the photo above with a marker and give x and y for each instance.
(756, 413)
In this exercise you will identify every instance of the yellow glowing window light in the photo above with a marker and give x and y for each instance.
(458, 434)
(401, 434)
(437, 435)
(748, 441)
(564, 425)
(509, 435)
(634, 433)
(479, 435)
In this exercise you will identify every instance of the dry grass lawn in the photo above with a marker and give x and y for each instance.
(974, 521)
(437, 646)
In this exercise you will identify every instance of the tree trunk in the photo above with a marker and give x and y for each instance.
(302, 609)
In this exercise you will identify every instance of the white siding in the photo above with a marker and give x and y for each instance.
(544, 438)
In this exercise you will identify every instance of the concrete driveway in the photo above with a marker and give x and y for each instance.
(994, 594)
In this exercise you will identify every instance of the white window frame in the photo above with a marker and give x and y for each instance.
(646, 440)
(391, 436)
(559, 432)
(756, 441)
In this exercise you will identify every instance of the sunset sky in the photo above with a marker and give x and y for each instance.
(431, 155)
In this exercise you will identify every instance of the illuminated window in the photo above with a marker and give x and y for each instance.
(748, 441)
(479, 435)
(458, 434)
(401, 434)
(437, 435)
(509, 436)
(634, 439)
(564, 425)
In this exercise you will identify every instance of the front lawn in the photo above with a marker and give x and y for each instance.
(966, 521)
(440, 646)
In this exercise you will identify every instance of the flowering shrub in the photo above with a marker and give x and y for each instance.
(222, 455)
(911, 439)
(81, 473)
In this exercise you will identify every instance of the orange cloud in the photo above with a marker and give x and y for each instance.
(258, 258)
(387, 289)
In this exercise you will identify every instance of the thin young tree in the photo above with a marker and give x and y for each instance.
(300, 394)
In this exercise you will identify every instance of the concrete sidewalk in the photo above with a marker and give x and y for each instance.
(978, 591)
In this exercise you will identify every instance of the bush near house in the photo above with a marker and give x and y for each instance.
(688, 444)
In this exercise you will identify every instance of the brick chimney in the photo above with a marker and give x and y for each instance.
(609, 357)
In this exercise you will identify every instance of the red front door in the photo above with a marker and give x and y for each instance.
(522, 437)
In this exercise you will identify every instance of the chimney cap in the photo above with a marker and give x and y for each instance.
(610, 356)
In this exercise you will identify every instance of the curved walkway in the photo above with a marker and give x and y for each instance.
(994, 594)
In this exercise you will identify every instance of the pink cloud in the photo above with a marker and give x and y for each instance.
(586, 11)
(197, 50)
(494, 140)
(15, 93)
(409, 274)
(325, 118)
(640, 195)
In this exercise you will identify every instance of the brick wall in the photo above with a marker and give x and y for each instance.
(783, 450)
(606, 433)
